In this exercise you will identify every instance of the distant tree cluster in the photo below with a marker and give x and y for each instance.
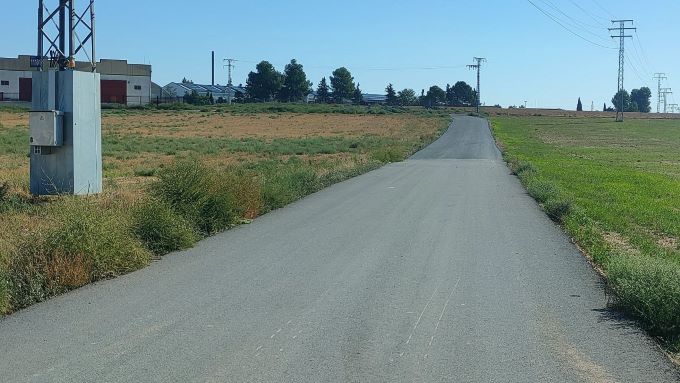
(637, 101)
(268, 84)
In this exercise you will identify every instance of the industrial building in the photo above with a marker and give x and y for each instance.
(225, 92)
(121, 83)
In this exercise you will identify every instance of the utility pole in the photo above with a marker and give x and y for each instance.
(592, 106)
(664, 94)
(659, 77)
(525, 104)
(229, 66)
(477, 67)
(622, 38)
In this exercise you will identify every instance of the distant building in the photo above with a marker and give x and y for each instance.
(226, 92)
(121, 83)
(374, 98)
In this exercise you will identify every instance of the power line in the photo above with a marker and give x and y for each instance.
(603, 8)
(567, 28)
(577, 22)
(592, 16)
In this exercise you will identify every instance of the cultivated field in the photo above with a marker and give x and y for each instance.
(616, 189)
(174, 176)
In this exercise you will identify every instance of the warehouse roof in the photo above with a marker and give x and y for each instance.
(105, 66)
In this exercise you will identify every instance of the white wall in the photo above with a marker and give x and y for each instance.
(134, 96)
(12, 91)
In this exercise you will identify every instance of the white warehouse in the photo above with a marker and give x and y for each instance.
(121, 83)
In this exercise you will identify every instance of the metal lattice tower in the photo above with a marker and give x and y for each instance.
(478, 67)
(65, 26)
(229, 65)
(664, 96)
(659, 77)
(622, 38)
(673, 107)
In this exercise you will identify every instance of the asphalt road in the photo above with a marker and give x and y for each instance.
(436, 269)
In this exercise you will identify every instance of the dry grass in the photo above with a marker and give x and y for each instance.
(285, 125)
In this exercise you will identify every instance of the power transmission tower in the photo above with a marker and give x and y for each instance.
(478, 67)
(622, 38)
(592, 106)
(673, 107)
(664, 94)
(659, 77)
(229, 66)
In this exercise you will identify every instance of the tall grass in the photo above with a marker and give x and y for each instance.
(649, 289)
(84, 243)
(160, 228)
(198, 194)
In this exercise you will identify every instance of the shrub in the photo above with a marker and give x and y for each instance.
(520, 167)
(160, 228)
(387, 155)
(557, 209)
(145, 172)
(540, 190)
(197, 194)
(85, 244)
(246, 191)
(649, 289)
(287, 184)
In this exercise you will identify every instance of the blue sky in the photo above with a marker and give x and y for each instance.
(530, 57)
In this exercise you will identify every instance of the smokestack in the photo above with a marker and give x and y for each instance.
(213, 68)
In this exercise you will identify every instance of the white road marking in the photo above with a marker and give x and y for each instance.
(443, 311)
(421, 315)
(258, 348)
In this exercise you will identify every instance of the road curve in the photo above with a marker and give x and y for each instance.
(436, 269)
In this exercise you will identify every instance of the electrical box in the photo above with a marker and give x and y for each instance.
(46, 128)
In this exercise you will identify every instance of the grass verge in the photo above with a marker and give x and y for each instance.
(615, 188)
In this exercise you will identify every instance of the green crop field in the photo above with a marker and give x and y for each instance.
(617, 189)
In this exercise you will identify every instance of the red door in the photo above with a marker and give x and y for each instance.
(114, 91)
(25, 89)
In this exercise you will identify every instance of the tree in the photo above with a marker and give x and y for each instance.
(185, 81)
(322, 91)
(579, 106)
(407, 97)
(435, 95)
(391, 95)
(342, 84)
(621, 101)
(295, 85)
(462, 94)
(357, 97)
(604, 108)
(264, 84)
(641, 97)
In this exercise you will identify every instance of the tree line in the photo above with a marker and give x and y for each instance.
(266, 84)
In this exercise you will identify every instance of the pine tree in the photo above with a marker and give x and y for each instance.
(579, 106)
(357, 97)
(604, 109)
(391, 95)
(322, 91)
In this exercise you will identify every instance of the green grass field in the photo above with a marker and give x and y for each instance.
(620, 183)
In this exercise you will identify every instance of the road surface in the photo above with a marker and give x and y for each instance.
(436, 269)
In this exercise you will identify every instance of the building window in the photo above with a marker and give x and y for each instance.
(5, 83)
(138, 87)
